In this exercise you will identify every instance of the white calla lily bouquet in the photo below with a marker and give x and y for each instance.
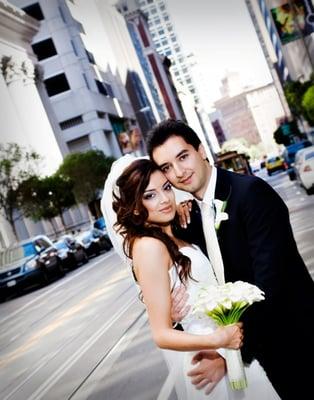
(225, 304)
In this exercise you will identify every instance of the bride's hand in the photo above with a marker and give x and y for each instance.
(230, 336)
(183, 210)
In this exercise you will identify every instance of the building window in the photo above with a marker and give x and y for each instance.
(69, 123)
(101, 114)
(56, 84)
(44, 49)
(74, 48)
(101, 87)
(109, 89)
(86, 81)
(90, 57)
(35, 11)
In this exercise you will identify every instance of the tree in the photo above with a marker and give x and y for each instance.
(295, 92)
(88, 172)
(16, 165)
(46, 198)
(308, 104)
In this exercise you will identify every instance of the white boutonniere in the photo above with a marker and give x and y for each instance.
(220, 214)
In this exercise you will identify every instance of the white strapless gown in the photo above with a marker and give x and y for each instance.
(179, 363)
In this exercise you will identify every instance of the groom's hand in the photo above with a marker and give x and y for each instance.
(210, 369)
(184, 209)
(179, 307)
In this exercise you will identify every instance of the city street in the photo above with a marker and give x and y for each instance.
(86, 336)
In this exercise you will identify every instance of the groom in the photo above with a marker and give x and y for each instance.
(257, 246)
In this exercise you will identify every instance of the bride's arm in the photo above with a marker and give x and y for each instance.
(151, 262)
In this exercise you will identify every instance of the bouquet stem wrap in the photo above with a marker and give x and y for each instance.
(235, 369)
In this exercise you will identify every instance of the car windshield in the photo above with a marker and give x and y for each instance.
(61, 245)
(274, 159)
(85, 237)
(310, 155)
(10, 256)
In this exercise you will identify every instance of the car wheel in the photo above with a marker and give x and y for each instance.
(292, 176)
(85, 258)
(60, 270)
(44, 277)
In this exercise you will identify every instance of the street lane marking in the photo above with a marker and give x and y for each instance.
(47, 384)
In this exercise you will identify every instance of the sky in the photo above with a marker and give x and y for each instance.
(221, 35)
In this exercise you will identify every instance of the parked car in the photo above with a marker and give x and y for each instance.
(71, 252)
(289, 156)
(274, 164)
(94, 241)
(304, 168)
(33, 261)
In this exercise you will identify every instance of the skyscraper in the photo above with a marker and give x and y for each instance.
(167, 42)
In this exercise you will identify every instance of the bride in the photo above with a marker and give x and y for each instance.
(145, 208)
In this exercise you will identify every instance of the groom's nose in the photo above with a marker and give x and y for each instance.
(178, 170)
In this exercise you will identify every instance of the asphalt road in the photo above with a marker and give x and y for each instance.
(86, 336)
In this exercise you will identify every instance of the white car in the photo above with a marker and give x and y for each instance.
(304, 168)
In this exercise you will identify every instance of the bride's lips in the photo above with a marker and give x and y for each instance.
(166, 209)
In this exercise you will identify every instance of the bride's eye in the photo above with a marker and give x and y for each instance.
(168, 186)
(148, 196)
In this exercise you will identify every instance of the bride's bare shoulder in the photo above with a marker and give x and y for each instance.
(150, 245)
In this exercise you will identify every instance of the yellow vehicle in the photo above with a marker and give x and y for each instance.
(274, 164)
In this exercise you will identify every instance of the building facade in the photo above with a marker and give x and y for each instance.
(89, 101)
(252, 113)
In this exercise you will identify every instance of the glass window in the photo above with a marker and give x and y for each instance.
(44, 49)
(35, 11)
(101, 87)
(308, 156)
(56, 84)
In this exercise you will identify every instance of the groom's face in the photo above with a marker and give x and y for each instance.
(184, 166)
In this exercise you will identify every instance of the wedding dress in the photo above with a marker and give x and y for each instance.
(259, 387)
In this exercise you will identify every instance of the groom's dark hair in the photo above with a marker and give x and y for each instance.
(168, 128)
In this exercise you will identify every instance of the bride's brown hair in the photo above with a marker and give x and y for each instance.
(132, 215)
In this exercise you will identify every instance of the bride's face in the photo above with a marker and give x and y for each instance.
(159, 199)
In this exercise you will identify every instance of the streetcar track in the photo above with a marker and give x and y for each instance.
(75, 356)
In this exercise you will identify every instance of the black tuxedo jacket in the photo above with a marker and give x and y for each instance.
(258, 246)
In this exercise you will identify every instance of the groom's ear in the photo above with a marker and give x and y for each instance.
(201, 150)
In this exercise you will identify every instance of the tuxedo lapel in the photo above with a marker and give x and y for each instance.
(223, 185)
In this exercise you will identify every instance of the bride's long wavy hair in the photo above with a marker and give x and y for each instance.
(132, 215)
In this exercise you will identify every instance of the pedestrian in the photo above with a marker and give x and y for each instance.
(145, 207)
(254, 243)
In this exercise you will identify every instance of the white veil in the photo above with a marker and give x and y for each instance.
(110, 217)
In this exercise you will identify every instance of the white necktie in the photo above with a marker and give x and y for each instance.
(212, 245)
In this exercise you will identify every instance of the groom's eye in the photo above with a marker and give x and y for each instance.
(165, 168)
